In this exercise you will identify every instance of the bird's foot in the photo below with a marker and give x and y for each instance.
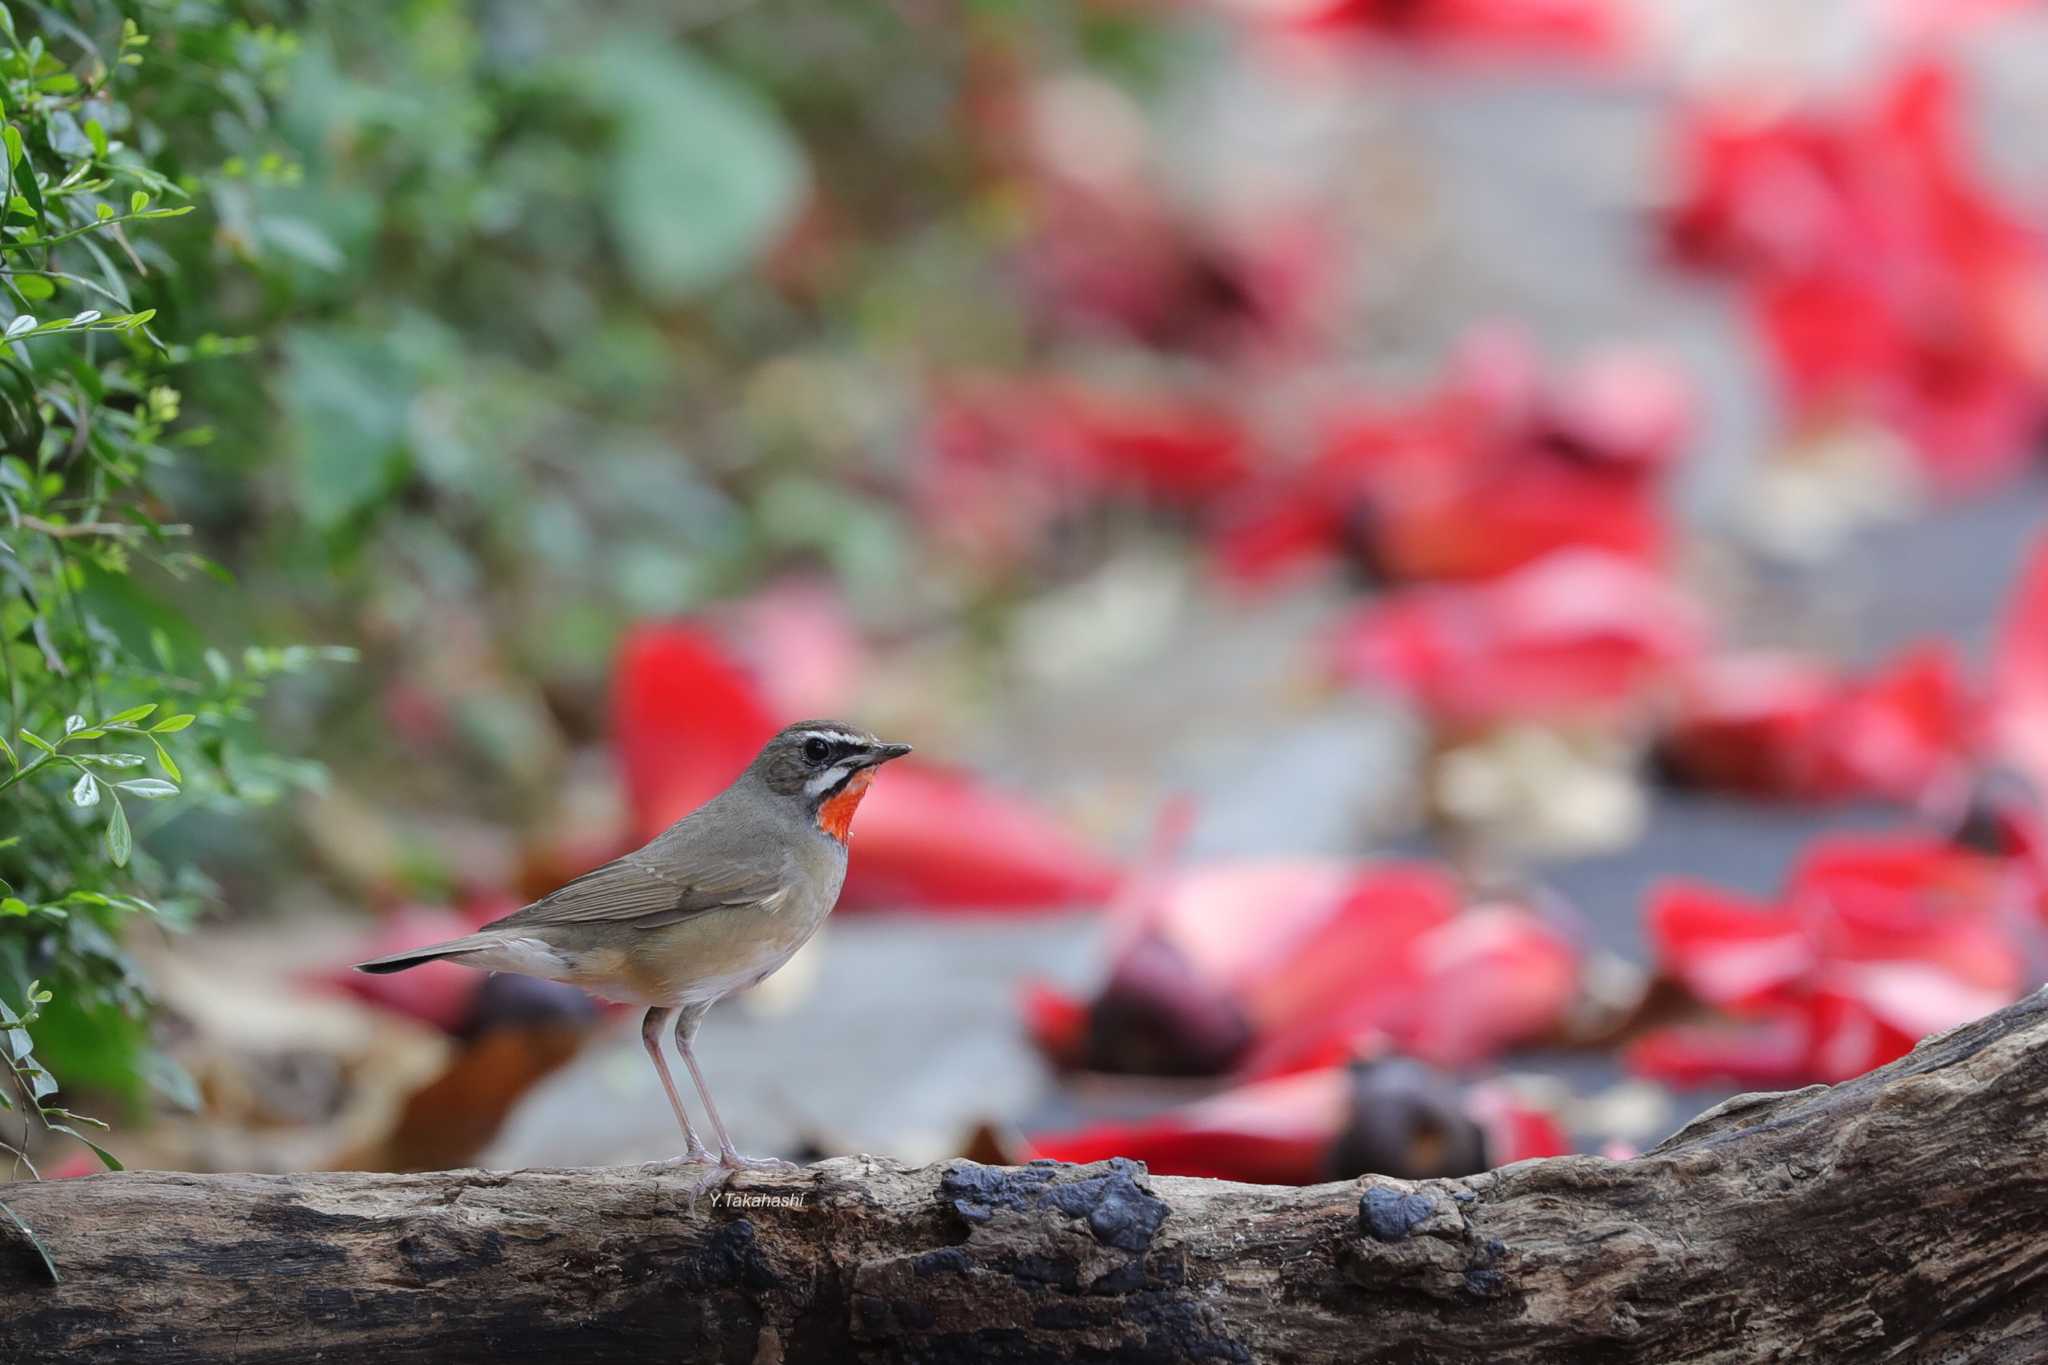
(733, 1161)
(729, 1164)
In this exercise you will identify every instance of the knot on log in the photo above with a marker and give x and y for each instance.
(1118, 1208)
(1417, 1237)
(1070, 1250)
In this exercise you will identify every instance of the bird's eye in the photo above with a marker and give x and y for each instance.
(817, 750)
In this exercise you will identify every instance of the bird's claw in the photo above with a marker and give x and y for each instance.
(733, 1161)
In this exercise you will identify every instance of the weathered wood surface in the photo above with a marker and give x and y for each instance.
(1902, 1216)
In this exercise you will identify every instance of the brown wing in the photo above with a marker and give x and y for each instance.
(629, 890)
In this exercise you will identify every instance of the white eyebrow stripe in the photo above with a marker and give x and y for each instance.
(837, 736)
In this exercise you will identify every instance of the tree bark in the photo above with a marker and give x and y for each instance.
(1901, 1216)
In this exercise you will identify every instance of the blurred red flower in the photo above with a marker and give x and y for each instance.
(1787, 726)
(1598, 30)
(1888, 280)
(1279, 965)
(1005, 462)
(1874, 943)
(1495, 468)
(2019, 676)
(1579, 633)
(1304, 1128)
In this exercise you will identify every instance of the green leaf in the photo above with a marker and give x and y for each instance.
(98, 137)
(120, 839)
(138, 201)
(49, 1263)
(7, 752)
(349, 399)
(131, 715)
(170, 725)
(86, 791)
(704, 177)
(13, 905)
(148, 788)
(163, 757)
(30, 737)
(34, 288)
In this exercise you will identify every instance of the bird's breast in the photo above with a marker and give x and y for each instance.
(835, 814)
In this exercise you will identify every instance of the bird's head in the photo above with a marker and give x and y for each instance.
(826, 765)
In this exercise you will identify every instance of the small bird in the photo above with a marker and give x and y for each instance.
(710, 906)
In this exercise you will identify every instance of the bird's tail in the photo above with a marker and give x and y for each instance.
(433, 952)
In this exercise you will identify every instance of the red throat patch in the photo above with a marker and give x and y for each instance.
(835, 815)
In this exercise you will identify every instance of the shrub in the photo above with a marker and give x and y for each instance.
(118, 710)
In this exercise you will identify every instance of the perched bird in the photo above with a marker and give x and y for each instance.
(710, 906)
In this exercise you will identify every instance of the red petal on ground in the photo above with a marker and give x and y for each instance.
(1829, 338)
(1906, 731)
(1877, 941)
(1760, 190)
(686, 720)
(1774, 1052)
(1166, 447)
(1314, 986)
(1275, 1133)
(1888, 278)
(1495, 976)
(1726, 949)
(1530, 509)
(1591, 30)
(1906, 1001)
(1516, 1130)
(1056, 1021)
(1276, 534)
(1578, 632)
(1238, 922)
(931, 838)
(2019, 679)
(1909, 899)
(1625, 409)
(1780, 725)
(1755, 723)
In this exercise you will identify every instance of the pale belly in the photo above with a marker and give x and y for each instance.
(695, 961)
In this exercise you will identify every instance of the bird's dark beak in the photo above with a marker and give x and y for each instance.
(882, 753)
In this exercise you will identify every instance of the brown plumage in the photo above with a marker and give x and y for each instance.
(710, 906)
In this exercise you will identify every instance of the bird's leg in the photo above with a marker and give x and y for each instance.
(728, 1156)
(650, 1035)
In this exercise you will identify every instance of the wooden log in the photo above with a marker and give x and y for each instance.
(1901, 1216)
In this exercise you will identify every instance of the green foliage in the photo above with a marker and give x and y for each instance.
(117, 715)
(511, 269)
